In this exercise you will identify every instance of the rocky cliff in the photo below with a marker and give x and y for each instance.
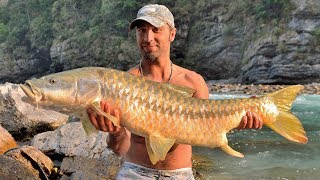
(248, 42)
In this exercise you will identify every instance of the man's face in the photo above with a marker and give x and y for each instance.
(154, 42)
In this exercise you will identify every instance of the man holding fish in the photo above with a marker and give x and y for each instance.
(155, 30)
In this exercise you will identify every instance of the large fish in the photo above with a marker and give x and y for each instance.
(162, 113)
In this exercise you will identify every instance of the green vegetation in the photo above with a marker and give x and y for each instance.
(4, 31)
(26, 23)
(272, 9)
(99, 28)
(316, 32)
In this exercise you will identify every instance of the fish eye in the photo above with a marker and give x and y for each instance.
(52, 81)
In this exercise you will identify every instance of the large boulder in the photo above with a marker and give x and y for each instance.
(71, 140)
(22, 119)
(84, 156)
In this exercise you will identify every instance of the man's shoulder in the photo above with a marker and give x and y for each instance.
(134, 70)
(195, 81)
(189, 74)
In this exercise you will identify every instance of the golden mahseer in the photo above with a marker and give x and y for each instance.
(161, 112)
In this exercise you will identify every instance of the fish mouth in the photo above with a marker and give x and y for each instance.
(31, 92)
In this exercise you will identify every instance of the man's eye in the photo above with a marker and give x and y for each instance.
(142, 30)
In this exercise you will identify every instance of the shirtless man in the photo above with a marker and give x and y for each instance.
(155, 30)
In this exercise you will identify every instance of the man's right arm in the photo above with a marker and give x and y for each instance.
(119, 137)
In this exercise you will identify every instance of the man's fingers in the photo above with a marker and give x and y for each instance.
(250, 119)
(243, 123)
(102, 123)
(261, 123)
(92, 118)
(256, 121)
(117, 115)
(109, 124)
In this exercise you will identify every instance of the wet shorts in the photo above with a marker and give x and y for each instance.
(135, 171)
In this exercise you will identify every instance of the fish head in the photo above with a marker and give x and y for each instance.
(65, 89)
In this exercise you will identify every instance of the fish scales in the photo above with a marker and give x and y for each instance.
(195, 110)
(162, 113)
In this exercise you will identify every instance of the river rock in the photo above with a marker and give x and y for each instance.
(71, 140)
(22, 119)
(33, 159)
(6, 141)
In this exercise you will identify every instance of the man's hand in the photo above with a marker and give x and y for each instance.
(103, 123)
(249, 121)
(119, 137)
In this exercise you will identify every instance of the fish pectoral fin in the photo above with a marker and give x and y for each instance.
(86, 124)
(158, 147)
(96, 108)
(226, 148)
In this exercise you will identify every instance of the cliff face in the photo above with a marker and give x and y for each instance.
(261, 41)
(289, 57)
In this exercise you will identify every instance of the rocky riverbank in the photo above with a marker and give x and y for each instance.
(313, 88)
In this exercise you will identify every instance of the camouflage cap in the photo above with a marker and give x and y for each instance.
(155, 14)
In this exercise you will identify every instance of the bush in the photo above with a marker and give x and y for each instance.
(4, 32)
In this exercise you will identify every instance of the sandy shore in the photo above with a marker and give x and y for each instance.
(258, 89)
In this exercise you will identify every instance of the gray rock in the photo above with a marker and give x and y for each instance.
(71, 140)
(87, 156)
(22, 119)
(90, 168)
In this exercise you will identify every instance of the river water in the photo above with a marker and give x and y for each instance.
(267, 154)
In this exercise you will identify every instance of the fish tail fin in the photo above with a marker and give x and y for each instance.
(286, 123)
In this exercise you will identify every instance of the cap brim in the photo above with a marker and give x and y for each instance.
(152, 20)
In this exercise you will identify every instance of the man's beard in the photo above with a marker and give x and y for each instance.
(150, 57)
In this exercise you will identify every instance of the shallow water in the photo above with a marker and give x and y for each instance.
(267, 154)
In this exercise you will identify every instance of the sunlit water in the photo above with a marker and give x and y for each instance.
(267, 154)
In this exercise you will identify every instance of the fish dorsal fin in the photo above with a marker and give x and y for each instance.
(96, 108)
(158, 147)
(184, 90)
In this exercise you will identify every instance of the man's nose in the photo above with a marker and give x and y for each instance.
(149, 36)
